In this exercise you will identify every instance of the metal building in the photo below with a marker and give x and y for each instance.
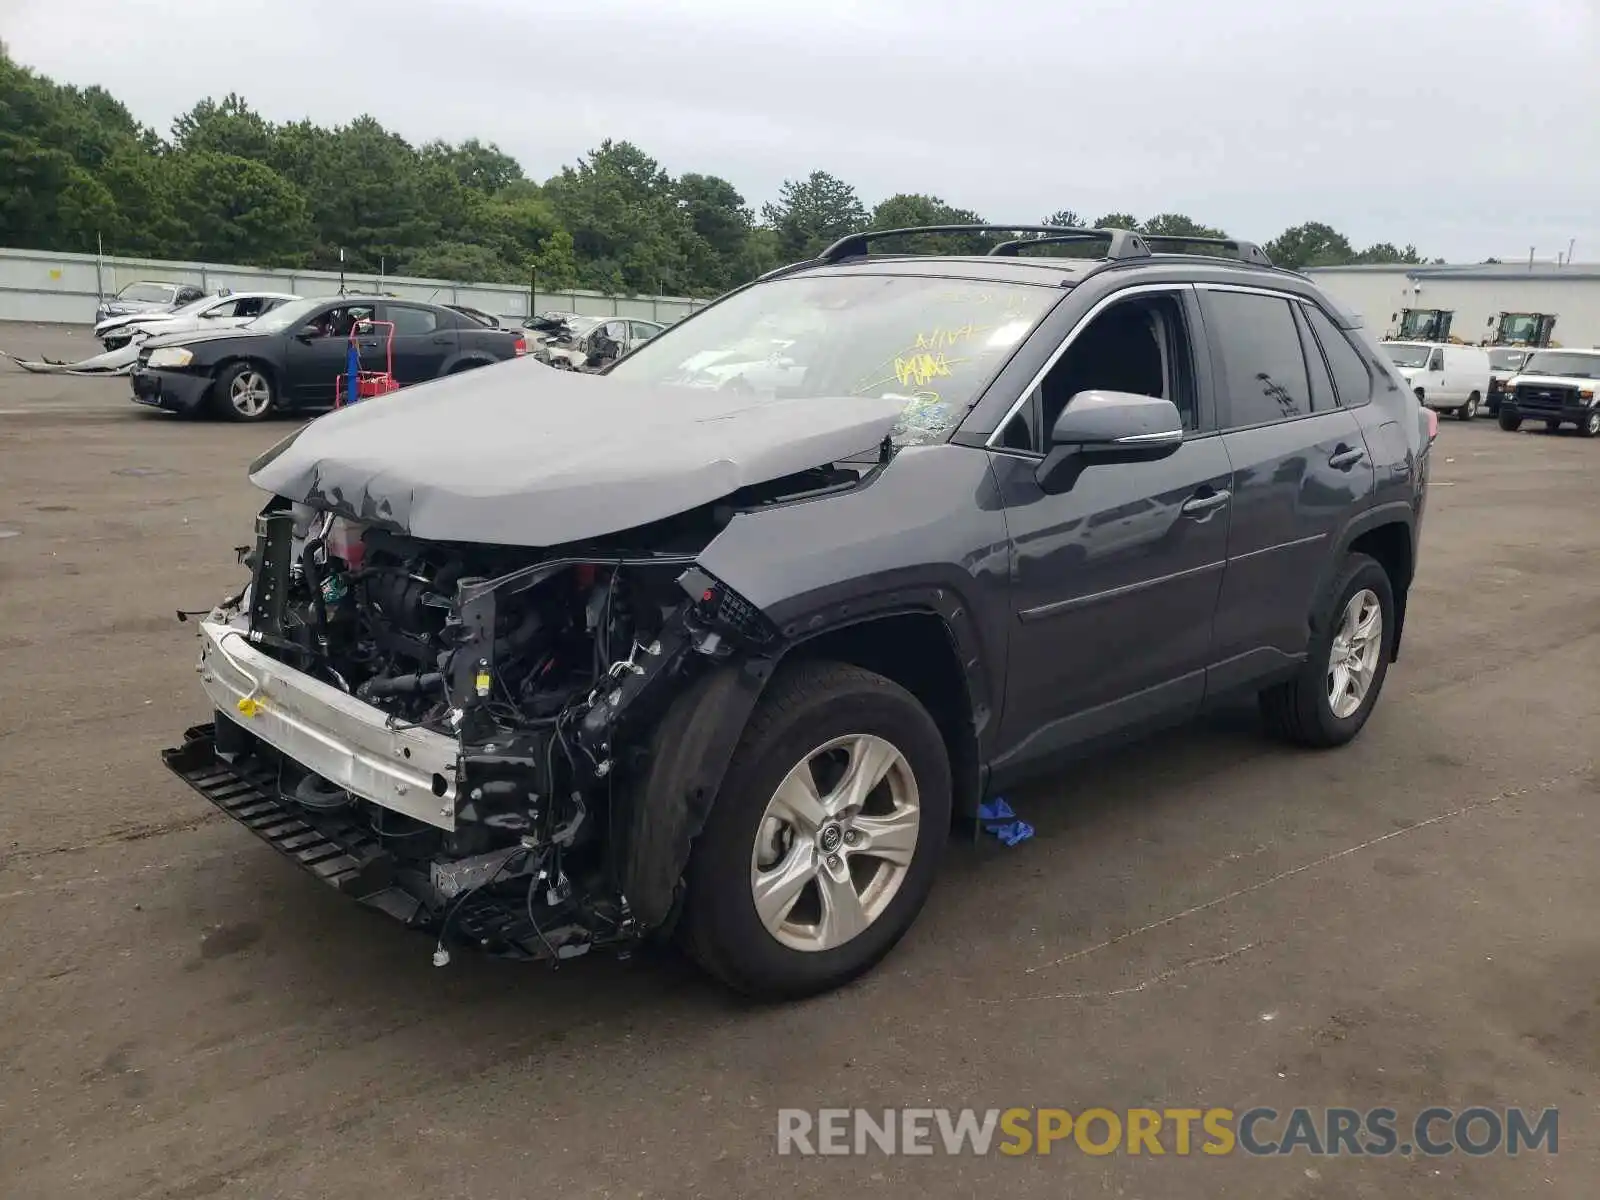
(1474, 296)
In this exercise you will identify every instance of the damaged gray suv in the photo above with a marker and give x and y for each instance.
(721, 644)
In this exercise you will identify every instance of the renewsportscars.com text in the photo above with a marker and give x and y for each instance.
(1257, 1131)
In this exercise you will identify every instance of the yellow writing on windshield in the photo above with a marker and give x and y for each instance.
(919, 369)
(941, 338)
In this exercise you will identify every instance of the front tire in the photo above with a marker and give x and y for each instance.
(1330, 699)
(1509, 421)
(825, 836)
(1590, 425)
(244, 392)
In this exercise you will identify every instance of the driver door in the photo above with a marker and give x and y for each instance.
(1115, 578)
(315, 354)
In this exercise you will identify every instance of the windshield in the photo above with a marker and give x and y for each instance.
(1407, 356)
(194, 306)
(1579, 366)
(1506, 360)
(931, 343)
(289, 315)
(147, 293)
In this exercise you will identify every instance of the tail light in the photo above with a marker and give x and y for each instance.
(520, 346)
(1433, 424)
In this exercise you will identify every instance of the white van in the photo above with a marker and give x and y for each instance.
(1446, 377)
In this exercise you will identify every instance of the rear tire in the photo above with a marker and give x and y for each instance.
(1509, 421)
(1468, 410)
(1302, 710)
(841, 909)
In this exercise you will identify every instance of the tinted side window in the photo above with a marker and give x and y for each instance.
(1322, 394)
(1258, 350)
(1350, 374)
(411, 321)
(1139, 345)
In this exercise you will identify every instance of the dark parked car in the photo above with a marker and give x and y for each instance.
(477, 314)
(541, 661)
(291, 357)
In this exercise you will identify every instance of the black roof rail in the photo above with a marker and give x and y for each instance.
(1121, 243)
(1247, 252)
(1009, 249)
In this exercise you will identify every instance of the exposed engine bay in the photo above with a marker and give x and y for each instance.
(547, 672)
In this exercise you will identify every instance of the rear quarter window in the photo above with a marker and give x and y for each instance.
(1352, 374)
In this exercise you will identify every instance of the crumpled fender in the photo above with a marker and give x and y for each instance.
(689, 752)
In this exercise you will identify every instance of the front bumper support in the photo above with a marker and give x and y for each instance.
(329, 732)
(347, 854)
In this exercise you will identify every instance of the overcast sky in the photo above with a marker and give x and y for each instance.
(1470, 128)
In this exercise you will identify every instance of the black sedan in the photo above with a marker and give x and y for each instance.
(292, 357)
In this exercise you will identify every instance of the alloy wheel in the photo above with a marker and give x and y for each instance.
(1353, 658)
(835, 842)
(250, 393)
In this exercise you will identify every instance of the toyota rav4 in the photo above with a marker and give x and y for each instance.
(541, 662)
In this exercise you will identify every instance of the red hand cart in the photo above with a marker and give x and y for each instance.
(367, 383)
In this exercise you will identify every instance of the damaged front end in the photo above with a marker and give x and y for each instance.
(508, 747)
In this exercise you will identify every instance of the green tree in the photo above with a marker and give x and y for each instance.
(147, 221)
(813, 212)
(229, 127)
(629, 231)
(1385, 252)
(476, 165)
(48, 201)
(1117, 221)
(459, 262)
(1179, 226)
(236, 210)
(720, 224)
(76, 166)
(907, 210)
(1064, 216)
(556, 262)
(1310, 245)
(365, 192)
(762, 252)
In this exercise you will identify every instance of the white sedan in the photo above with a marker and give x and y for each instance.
(209, 312)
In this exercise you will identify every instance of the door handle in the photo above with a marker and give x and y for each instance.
(441, 339)
(1345, 457)
(369, 345)
(1205, 503)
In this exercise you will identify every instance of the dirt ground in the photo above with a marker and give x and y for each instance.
(1204, 920)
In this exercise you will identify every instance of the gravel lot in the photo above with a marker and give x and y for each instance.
(1203, 920)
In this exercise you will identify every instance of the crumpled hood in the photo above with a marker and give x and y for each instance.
(518, 454)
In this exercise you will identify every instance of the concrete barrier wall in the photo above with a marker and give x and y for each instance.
(45, 287)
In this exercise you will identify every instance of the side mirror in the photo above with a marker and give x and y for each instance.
(1108, 427)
